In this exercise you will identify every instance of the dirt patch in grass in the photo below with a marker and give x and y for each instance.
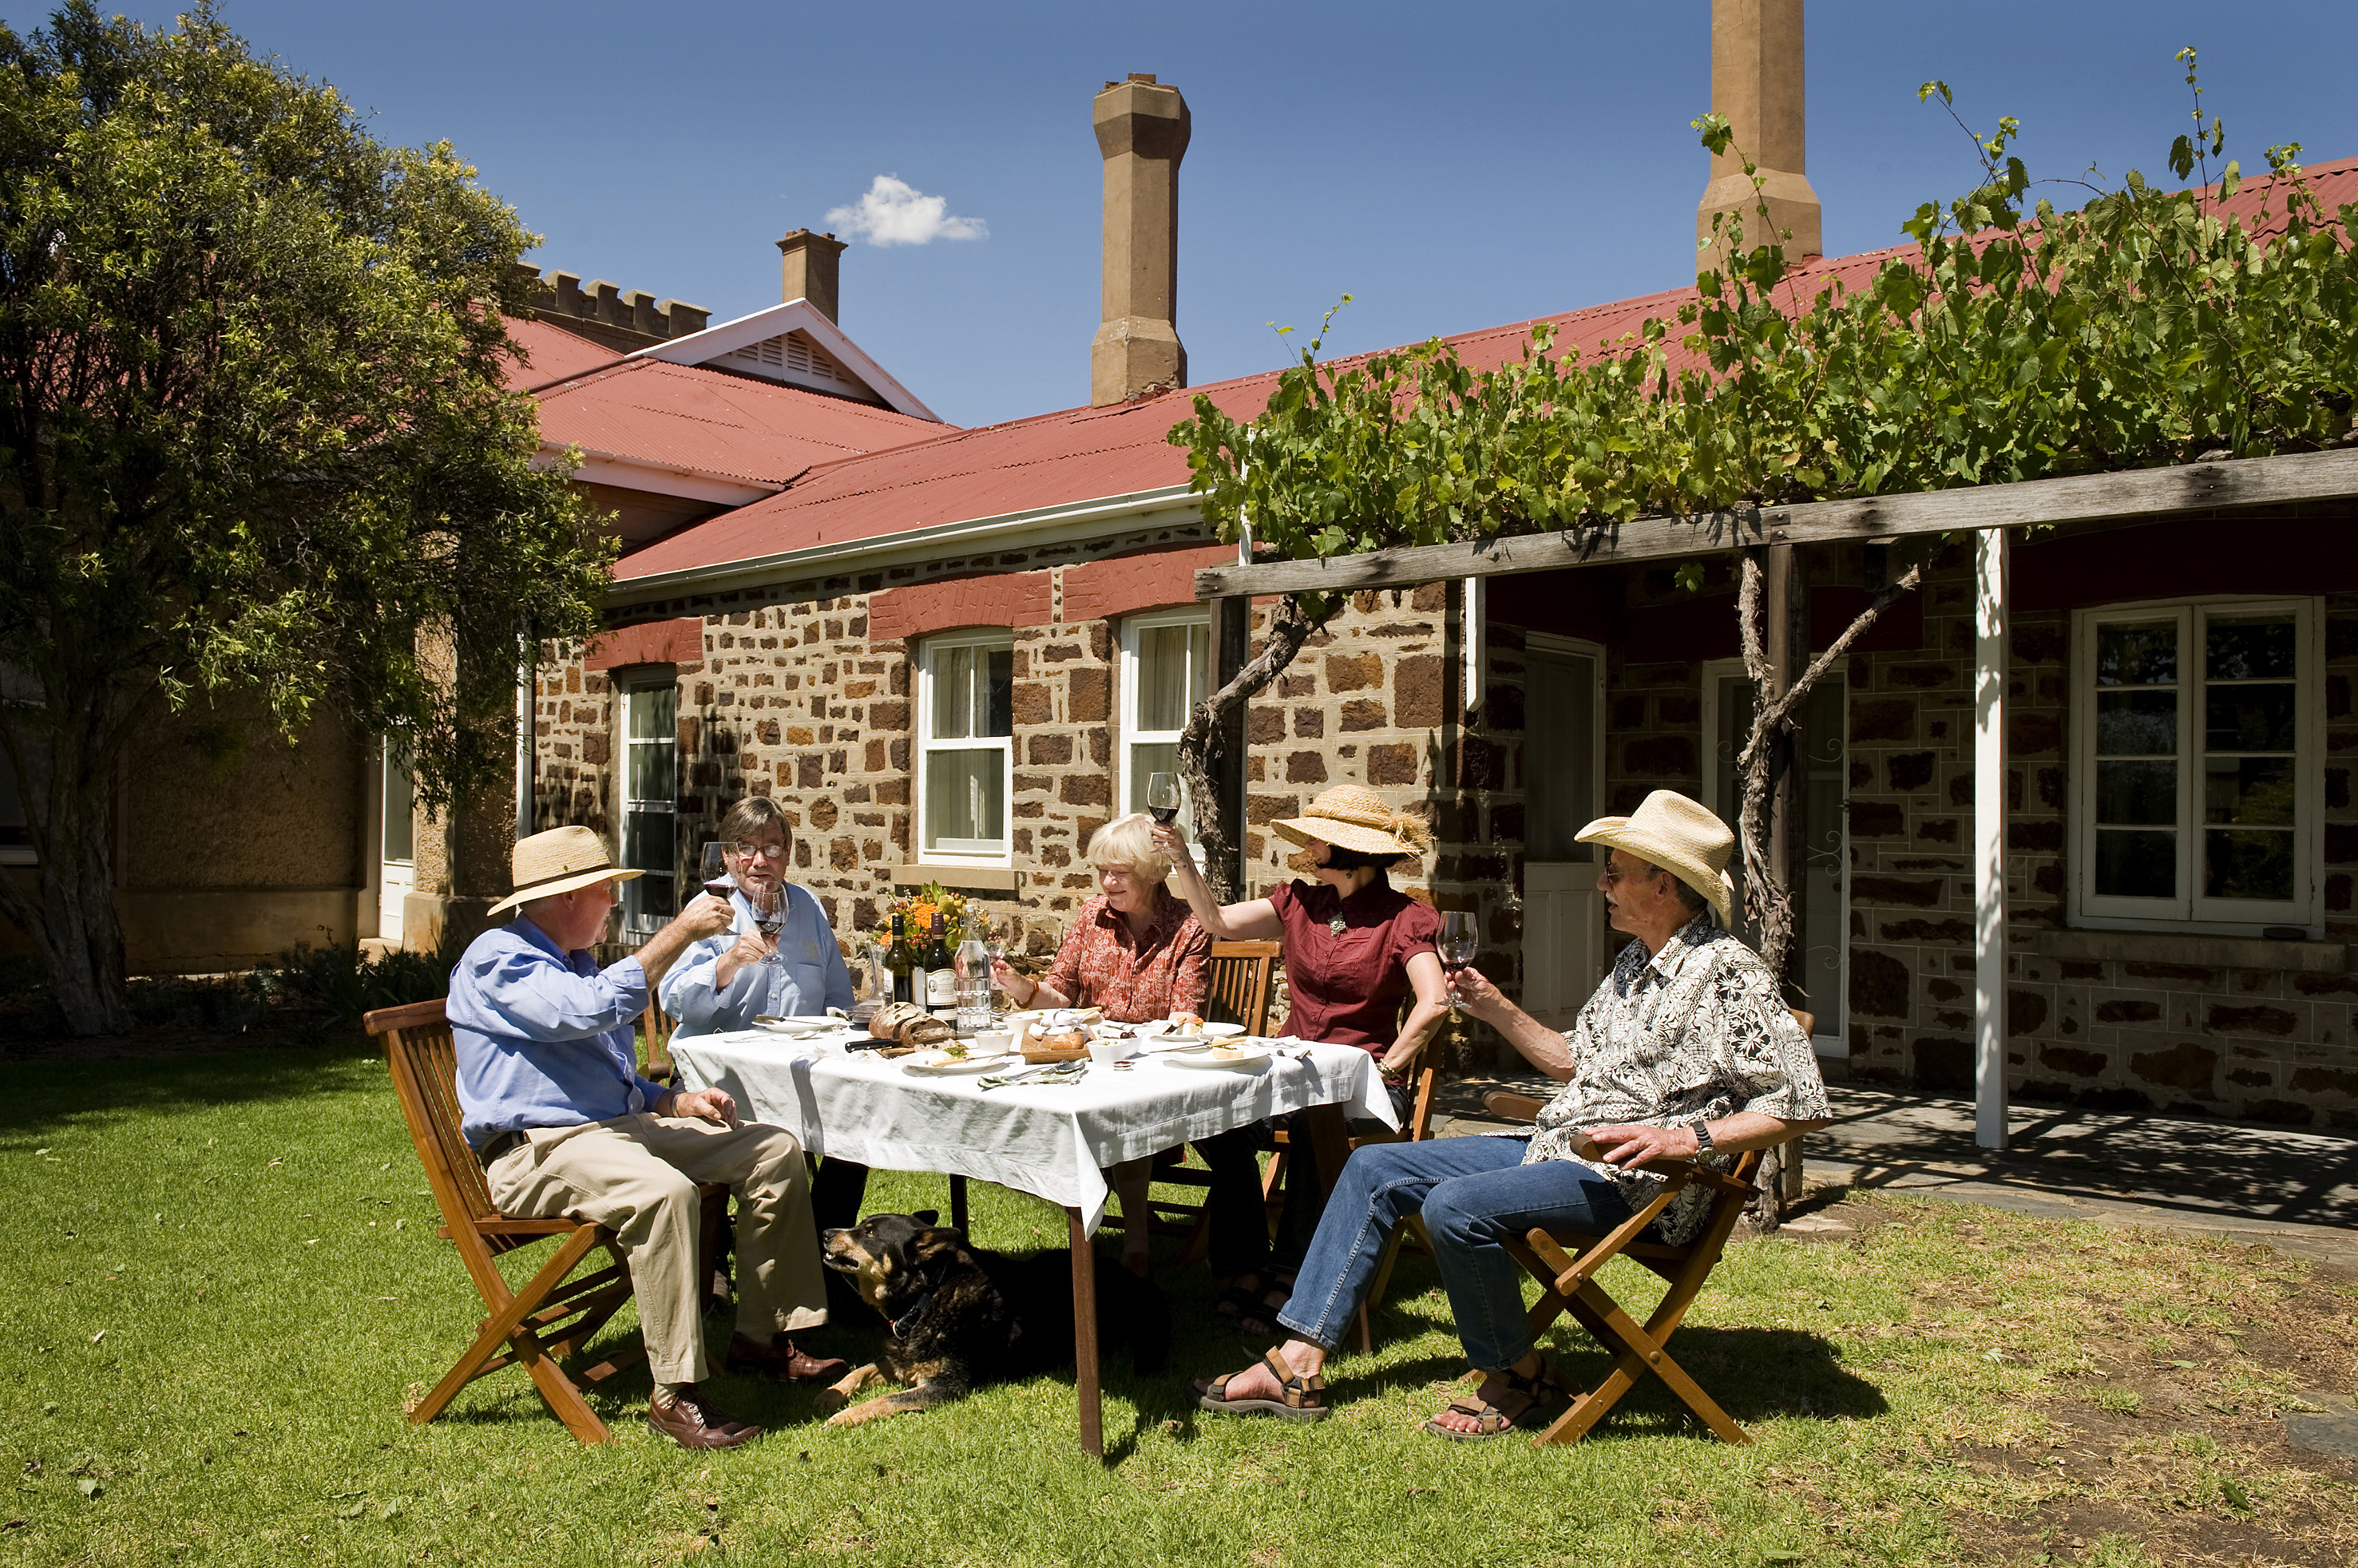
(2161, 1437)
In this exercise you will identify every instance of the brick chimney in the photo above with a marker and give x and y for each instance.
(810, 266)
(1142, 129)
(1756, 82)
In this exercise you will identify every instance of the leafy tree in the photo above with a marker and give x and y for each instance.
(253, 437)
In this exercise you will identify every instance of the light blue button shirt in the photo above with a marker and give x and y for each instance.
(811, 979)
(544, 1037)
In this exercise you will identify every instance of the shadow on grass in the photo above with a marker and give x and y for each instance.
(1754, 1374)
(44, 1094)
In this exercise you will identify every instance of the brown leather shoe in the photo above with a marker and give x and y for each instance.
(781, 1359)
(691, 1421)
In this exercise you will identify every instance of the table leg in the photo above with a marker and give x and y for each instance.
(958, 1202)
(1330, 1135)
(1084, 1337)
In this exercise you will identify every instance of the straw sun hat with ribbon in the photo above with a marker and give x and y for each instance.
(558, 861)
(1677, 835)
(1353, 817)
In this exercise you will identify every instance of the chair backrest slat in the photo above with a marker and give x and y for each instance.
(424, 1063)
(1242, 978)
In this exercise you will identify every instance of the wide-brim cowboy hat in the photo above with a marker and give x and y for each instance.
(1352, 818)
(1677, 835)
(560, 861)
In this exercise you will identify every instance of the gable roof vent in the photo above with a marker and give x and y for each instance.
(792, 357)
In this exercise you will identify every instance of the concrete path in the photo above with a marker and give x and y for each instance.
(2294, 1190)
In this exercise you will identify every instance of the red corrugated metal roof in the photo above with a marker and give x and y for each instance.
(712, 422)
(1082, 454)
(550, 353)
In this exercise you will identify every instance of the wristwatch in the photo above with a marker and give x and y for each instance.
(1703, 1144)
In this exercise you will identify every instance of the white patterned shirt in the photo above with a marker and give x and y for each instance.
(1696, 1031)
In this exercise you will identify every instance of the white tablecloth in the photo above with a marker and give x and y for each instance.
(1051, 1140)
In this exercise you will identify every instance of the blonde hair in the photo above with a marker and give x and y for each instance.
(1129, 841)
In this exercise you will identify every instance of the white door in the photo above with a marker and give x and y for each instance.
(1564, 747)
(396, 845)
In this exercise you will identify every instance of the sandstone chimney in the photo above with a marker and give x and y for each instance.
(1756, 82)
(1142, 129)
(810, 268)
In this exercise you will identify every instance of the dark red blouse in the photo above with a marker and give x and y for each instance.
(1346, 986)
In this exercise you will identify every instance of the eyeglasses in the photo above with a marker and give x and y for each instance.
(766, 852)
(1614, 873)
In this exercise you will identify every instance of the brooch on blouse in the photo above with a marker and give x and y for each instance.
(1335, 925)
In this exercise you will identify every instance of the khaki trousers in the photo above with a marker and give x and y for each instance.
(637, 1175)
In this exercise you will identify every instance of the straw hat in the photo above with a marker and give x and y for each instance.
(1351, 817)
(558, 861)
(1680, 835)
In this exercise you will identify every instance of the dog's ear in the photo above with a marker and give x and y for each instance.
(939, 1240)
(926, 1216)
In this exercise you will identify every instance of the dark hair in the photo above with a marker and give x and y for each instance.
(750, 815)
(1691, 901)
(1341, 859)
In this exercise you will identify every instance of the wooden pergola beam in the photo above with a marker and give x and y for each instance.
(2138, 494)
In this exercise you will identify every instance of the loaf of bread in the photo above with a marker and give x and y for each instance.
(908, 1027)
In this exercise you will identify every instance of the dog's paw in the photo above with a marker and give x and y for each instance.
(861, 1414)
(830, 1400)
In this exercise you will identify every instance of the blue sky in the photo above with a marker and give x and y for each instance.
(1452, 167)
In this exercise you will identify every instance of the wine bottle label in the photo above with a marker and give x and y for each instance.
(941, 987)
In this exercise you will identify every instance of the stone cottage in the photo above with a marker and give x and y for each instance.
(953, 659)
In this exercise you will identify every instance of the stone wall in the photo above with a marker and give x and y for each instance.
(793, 696)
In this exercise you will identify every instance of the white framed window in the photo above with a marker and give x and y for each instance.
(1166, 666)
(966, 750)
(1820, 844)
(650, 794)
(2197, 779)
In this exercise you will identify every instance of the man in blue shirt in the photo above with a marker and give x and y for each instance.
(724, 983)
(553, 1104)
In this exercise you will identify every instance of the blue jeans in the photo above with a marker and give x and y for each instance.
(1473, 1193)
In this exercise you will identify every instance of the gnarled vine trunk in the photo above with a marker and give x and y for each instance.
(1202, 744)
(1768, 898)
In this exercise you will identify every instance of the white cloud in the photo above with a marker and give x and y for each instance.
(893, 213)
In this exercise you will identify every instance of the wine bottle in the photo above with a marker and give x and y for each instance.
(918, 979)
(896, 962)
(941, 979)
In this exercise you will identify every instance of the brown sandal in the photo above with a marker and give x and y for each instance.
(1493, 1418)
(1295, 1403)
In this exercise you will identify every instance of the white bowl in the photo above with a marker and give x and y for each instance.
(1111, 1050)
(993, 1043)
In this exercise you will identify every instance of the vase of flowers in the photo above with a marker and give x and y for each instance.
(917, 909)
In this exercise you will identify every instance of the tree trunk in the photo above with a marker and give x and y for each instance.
(1768, 895)
(71, 824)
(1202, 745)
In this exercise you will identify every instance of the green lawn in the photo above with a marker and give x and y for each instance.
(222, 1280)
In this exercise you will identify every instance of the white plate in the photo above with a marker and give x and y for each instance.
(1226, 1056)
(1220, 1031)
(806, 1023)
(942, 1064)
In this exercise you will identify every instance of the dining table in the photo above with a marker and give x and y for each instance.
(1054, 1140)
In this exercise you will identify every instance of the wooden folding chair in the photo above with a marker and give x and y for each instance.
(549, 1316)
(1241, 981)
(1568, 1281)
(1568, 1284)
(656, 1027)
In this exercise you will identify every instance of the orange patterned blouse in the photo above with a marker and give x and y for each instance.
(1100, 965)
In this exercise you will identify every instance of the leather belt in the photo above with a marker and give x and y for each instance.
(499, 1144)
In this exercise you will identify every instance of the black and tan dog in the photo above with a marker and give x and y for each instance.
(960, 1317)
